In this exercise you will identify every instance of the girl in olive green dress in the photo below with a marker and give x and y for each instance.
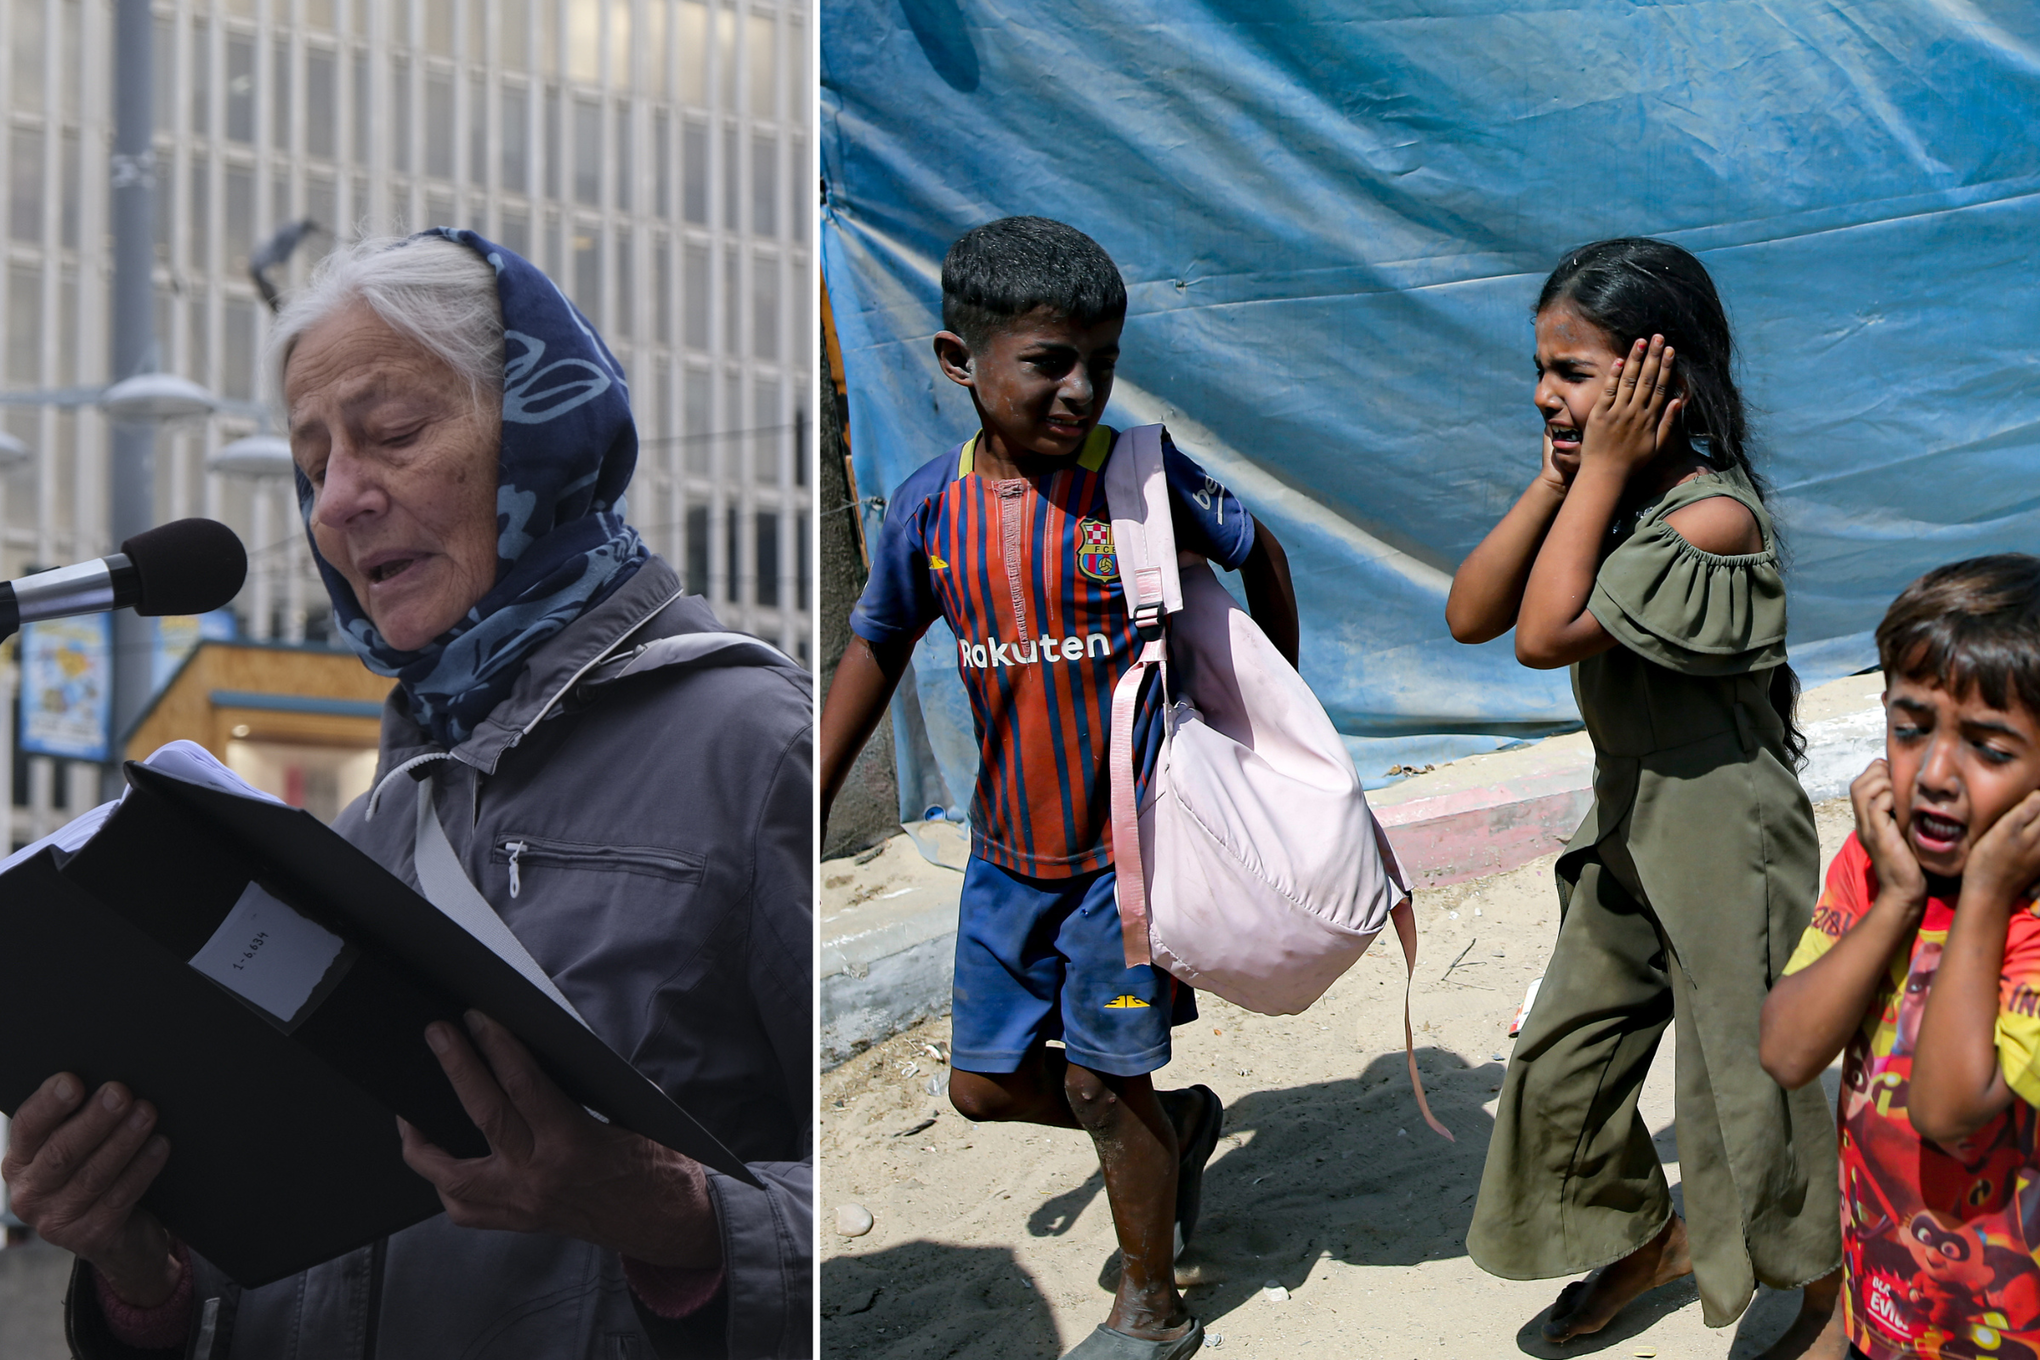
(1642, 557)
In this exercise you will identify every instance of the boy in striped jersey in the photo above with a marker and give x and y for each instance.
(1007, 539)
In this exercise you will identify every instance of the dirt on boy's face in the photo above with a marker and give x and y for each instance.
(1957, 765)
(1041, 381)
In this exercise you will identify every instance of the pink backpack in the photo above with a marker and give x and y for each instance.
(1261, 874)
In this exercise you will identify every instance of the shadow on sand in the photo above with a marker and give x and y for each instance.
(971, 1303)
(1341, 1170)
(1326, 1172)
(1313, 1176)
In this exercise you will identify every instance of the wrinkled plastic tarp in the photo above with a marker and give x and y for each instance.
(1333, 219)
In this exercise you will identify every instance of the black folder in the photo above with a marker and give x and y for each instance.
(284, 1146)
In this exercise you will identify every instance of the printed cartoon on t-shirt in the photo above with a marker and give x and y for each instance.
(1940, 1238)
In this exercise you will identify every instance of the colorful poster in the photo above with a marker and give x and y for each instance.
(174, 637)
(67, 686)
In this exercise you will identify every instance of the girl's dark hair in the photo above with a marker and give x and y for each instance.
(1634, 287)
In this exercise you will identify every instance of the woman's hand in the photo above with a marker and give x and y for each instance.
(1900, 881)
(1633, 418)
(554, 1168)
(75, 1169)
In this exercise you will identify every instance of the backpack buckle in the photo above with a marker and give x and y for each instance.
(1147, 602)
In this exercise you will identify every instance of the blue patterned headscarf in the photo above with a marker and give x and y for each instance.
(562, 547)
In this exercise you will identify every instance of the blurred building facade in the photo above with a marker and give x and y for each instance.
(653, 156)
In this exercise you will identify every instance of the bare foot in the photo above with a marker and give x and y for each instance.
(1816, 1334)
(1589, 1305)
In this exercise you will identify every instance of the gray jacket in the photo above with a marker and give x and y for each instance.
(664, 809)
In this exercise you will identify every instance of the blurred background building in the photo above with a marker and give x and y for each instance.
(652, 155)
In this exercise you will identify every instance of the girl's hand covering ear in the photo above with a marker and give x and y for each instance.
(1558, 471)
(1633, 418)
(1899, 876)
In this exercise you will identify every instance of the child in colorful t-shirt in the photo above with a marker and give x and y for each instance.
(1924, 959)
(1007, 538)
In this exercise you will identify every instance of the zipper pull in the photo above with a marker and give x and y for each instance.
(515, 848)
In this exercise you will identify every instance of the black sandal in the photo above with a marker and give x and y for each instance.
(1190, 1165)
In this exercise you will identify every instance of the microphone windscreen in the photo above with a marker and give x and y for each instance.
(188, 566)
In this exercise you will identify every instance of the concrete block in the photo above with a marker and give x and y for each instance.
(1456, 836)
(888, 930)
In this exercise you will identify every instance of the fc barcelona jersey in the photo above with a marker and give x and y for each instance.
(1022, 570)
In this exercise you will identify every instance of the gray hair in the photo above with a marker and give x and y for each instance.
(433, 290)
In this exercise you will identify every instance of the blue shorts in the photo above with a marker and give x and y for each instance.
(1043, 958)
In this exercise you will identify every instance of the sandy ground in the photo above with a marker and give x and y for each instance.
(995, 1240)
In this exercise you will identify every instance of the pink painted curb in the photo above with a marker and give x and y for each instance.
(1464, 834)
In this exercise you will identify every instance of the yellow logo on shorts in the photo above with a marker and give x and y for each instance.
(1126, 1003)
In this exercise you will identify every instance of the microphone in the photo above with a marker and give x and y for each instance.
(188, 566)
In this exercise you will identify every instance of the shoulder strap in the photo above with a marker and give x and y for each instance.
(1144, 542)
(1143, 533)
(682, 648)
(447, 887)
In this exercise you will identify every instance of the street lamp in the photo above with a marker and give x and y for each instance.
(255, 455)
(143, 399)
(154, 398)
(264, 459)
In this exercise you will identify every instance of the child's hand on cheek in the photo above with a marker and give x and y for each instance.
(1633, 417)
(2006, 860)
(1899, 876)
(1557, 470)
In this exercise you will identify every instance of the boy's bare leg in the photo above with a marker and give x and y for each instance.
(1816, 1334)
(1133, 1127)
(1032, 1095)
(1589, 1305)
(1137, 1150)
(1035, 1095)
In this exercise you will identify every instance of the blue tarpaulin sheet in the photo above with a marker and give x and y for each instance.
(1333, 219)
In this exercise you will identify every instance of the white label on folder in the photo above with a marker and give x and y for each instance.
(267, 953)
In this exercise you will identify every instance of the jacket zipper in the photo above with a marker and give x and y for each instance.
(378, 1260)
(1011, 514)
(520, 851)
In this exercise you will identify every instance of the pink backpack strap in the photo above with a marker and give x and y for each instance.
(1143, 532)
(1144, 545)
(1126, 857)
(1405, 918)
(1144, 542)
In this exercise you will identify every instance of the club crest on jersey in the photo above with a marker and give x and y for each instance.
(1095, 557)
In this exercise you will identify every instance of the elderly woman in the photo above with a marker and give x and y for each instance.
(635, 806)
